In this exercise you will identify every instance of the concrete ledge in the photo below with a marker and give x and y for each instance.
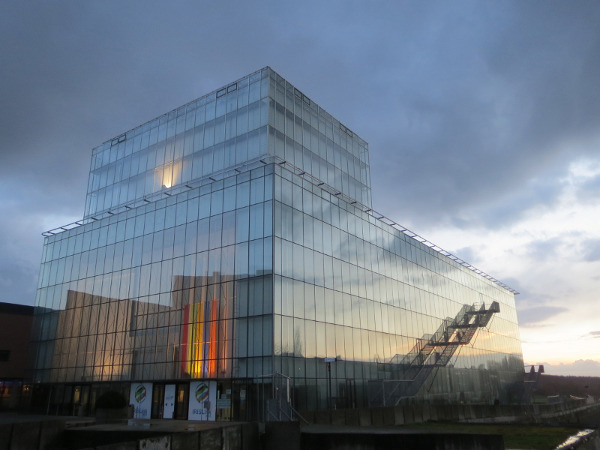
(352, 417)
(155, 443)
(322, 416)
(132, 445)
(364, 417)
(398, 415)
(25, 436)
(211, 439)
(231, 437)
(250, 436)
(585, 415)
(185, 441)
(308, 415)
(338, 417)
(282, 435)
(5, 433)
(51, 432)
(361, 439)
(377, 416)
(408, 413)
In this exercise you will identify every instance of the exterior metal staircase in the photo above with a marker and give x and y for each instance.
(404, 375)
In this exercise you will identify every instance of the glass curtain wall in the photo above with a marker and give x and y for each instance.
(180, 288)
(351, 288)
(309, 138)
(224, 129)
(218, 131)
(198, 258)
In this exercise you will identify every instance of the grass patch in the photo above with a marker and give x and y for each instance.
(515, 436)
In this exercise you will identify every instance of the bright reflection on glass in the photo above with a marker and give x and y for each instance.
(167, 175)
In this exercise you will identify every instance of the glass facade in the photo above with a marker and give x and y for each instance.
(225, 129)
(232, 240)
(353, 288)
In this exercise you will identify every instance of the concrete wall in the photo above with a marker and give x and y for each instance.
(31, 435)
(420, 441)
(243, 436)
(52, 435)
(15, 330)
(554, 414)
(290, 436)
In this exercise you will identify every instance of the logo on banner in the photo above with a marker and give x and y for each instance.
(201, 392)
(140, 393)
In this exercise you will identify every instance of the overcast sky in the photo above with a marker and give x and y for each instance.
(483, 123)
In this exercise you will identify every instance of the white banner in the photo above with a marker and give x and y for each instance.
(203, 400)
(141, 398)
(169, 403)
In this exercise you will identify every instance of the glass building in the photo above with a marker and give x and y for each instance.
(229, 261)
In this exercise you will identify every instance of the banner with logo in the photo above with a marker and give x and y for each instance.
(203, 400)
(141, 398)
(169, 403)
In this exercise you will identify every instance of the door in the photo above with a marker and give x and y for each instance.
(169, 401)
(181, 401)
(158, 393)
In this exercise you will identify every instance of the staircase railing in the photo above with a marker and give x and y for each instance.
(431, 351)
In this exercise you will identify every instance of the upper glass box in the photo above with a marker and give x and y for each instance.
(256, 116)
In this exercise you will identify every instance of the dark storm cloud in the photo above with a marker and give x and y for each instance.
(529, 317)
(508, 207)
(466, 107)
(527, 90)
(589, 191)
(76, 74)
(17, 281)
(20, 250)
(79, 73)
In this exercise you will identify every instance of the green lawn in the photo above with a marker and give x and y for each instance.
(515, 436)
